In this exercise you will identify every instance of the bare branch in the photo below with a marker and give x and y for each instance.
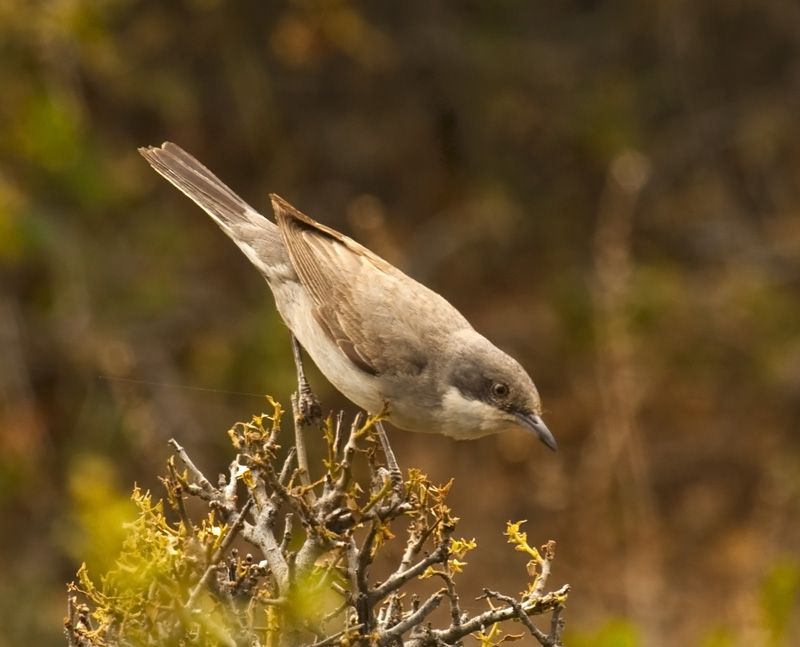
(220, 552)
(533, 607)
(396, 580)
(332, 640)
(207, 491)
(261, 534)
(452, 594)
(547, 554)
(286, 470)
(556, 626)
(337, 437)
(519, 612)
(412, 620)
(288, 522)
(69, 622)
(300, 427)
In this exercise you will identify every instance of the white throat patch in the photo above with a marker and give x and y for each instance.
(456, 410)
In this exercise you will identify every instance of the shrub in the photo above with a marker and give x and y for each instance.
(183, 579)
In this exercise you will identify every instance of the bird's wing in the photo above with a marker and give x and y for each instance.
(376, 315)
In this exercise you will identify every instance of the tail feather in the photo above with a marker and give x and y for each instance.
(256, 236)
(200, 184)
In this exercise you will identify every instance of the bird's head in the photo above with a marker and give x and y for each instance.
(489, 392)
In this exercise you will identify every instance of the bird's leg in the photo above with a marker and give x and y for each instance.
(308, 409)
(391, 462)
(307, 412)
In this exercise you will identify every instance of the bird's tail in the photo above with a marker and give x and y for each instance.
(257, 236)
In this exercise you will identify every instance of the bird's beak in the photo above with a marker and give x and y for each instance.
(537, 426)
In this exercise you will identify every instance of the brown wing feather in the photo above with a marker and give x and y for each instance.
(359, 297)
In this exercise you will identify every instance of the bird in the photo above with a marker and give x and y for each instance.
(385, 341)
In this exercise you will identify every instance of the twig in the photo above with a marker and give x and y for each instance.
(556, 626)
(287, 532)
(286, 469)
(69, 622)
(412, 620)
(261, 533)
(519, 612)
(397, 579)
(365, 559)
(492, 616)
(337, 436)
(347, 454)
(207, 491)
(220, 552)
(229, 491)
(177, 491)
(452, 594)
(416, 539)
(547, 555)
(331, 640)
(333, 564)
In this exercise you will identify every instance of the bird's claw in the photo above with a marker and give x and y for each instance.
(308, 409)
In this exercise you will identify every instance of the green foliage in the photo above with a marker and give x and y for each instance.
(780, 600)
(94, 529)
(613, 633)
(138, 600)
(719, 637)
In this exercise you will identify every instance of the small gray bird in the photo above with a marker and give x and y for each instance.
(382, 339)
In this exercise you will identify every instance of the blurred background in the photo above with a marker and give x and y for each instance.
(608, 190)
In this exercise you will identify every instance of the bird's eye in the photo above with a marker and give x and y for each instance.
(499, 390)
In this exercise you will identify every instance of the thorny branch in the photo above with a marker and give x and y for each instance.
(219, 553)
(318, 540)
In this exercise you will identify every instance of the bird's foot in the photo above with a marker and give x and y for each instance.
(307, 407)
